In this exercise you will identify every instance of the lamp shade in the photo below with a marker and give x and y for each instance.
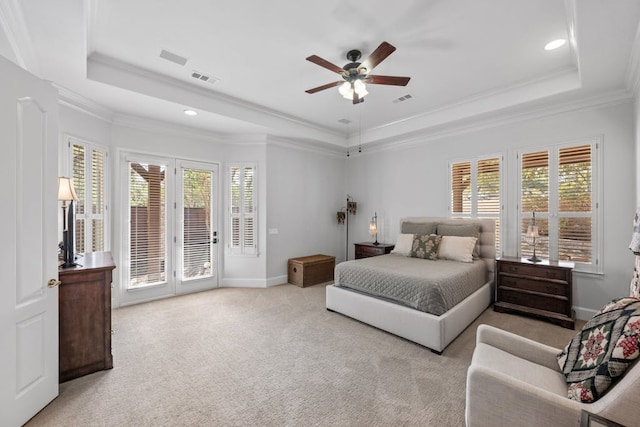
(66, 192)
(373, 228)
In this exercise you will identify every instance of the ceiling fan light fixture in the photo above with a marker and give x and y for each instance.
(360, 88)
(346, 90)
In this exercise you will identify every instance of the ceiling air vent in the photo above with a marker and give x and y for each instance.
(203, 77)
(175, 58)
(402, 98)
(344, 121)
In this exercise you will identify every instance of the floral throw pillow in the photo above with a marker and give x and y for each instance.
(426, 246)
(603, 350)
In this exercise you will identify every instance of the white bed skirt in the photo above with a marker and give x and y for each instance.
(434, 332)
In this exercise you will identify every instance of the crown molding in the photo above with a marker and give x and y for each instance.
(633, 67)
(478, 105)
(307, 146)
(77, 102)
(15, 28)
(499, 118)
(166, 128)
(111, 71)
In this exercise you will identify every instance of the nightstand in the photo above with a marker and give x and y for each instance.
(541, 289)
(368, 249)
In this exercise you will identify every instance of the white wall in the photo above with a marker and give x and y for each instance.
(413, 181)
(305, 189)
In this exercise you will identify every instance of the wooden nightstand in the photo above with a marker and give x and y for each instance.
(540, 289)
(368, 249)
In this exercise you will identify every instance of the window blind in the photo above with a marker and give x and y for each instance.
(147, 199)
(79, 166)
(197, 223)
(461, 188)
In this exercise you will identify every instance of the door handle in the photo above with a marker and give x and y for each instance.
(52, 283)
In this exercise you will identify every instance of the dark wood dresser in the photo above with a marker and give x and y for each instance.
(541, 289)
(368, 249)
(85, 316)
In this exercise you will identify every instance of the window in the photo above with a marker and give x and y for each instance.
(198, 221)
(557, 183)
(476, 189)
(147, 221)
(88, 164)
(242, 209)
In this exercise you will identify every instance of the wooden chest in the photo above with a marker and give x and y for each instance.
(311, 270)
(539, 289)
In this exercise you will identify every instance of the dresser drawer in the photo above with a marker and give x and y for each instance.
(540, 302)
(552, 288)
(534, 271)
(369, 251)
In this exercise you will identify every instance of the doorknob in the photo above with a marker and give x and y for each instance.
(52, 283)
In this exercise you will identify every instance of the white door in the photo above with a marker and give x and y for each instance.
(28, 252)
(197, 228)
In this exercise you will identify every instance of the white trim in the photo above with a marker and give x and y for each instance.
(583, 313)
(243, 283)
(77, 102)
(109, 70)
(278, 280)
(17, 33)
(516, 114)
(307, 145)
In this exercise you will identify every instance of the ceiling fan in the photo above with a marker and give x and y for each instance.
(356, 74)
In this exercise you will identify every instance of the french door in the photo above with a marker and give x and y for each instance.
(171, 245)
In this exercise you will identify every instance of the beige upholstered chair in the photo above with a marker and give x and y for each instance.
(513, 381)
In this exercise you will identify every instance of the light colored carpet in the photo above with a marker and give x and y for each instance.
(271, 357)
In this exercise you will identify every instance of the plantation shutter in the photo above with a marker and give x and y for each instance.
(197, 227)
(558, 185)
(147, 199)
(88, 165)
(575, 203)
(534, 197)
(97, 201)
(476, 190)
(79, 183)
(461, 188)
(488, 201)
(242, 209)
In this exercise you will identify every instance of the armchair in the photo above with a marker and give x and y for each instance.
(513, 380)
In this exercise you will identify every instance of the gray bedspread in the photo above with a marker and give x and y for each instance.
(430, 286)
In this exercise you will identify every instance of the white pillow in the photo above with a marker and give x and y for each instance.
(403, 245)
(457, 248)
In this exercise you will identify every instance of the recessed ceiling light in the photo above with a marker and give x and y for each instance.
(190, 112)
(555, 44)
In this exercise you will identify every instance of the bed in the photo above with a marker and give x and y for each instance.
(433, 319)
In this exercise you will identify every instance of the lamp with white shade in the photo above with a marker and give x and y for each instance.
(67, 193)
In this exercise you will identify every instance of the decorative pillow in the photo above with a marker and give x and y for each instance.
(601, 352)
(425, 246)
(403, 245)
(457, 248)
(419, 227)
(464, 230)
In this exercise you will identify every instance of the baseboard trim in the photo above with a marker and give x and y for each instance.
(584, 313)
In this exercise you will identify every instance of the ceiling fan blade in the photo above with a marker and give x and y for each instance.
(326, 64)
(323, 87)
(387, 80)
(378, 55)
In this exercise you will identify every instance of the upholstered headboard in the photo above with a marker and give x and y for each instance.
(487, 233)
